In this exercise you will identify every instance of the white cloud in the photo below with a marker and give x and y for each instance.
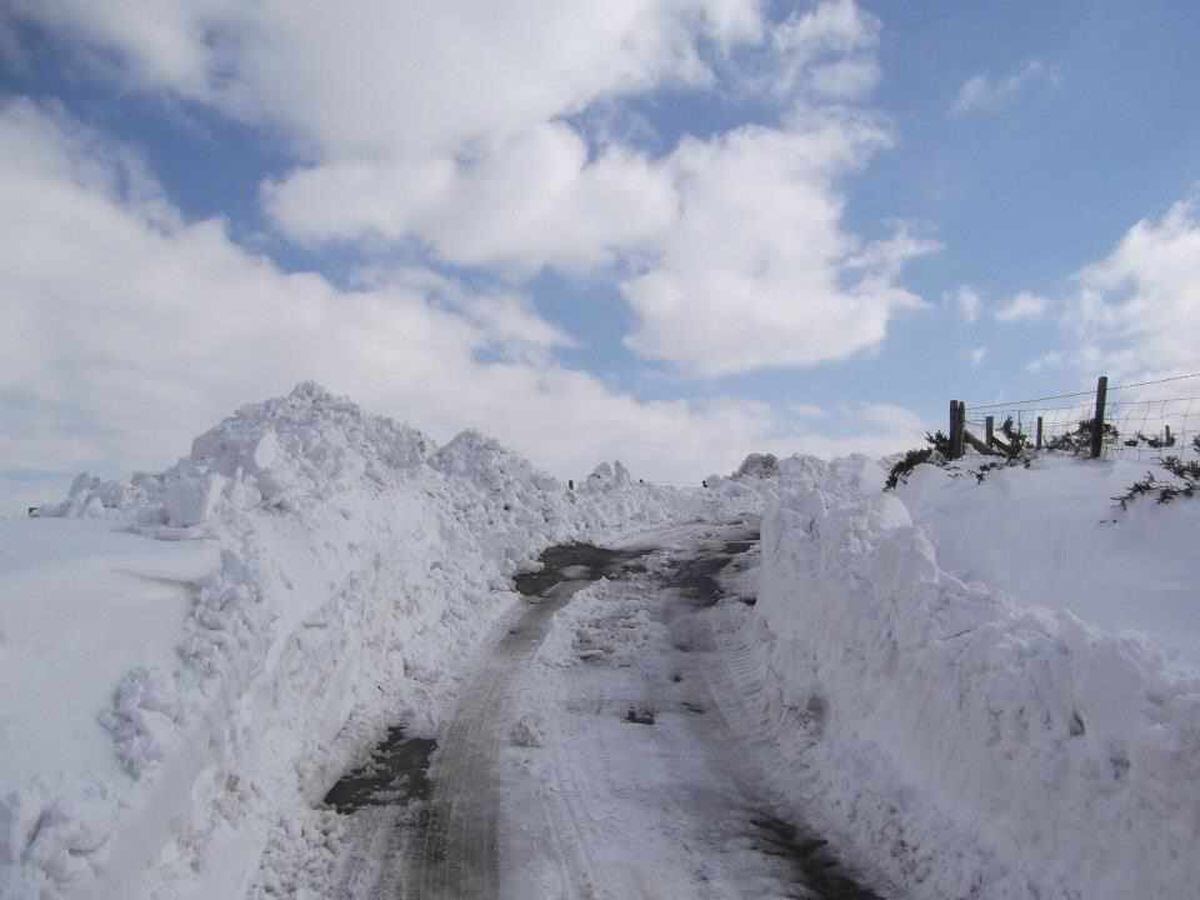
(983, 94)
(444, 123)
(1138, 309)
(129, 330)
(365, 78)
(827, 51)
(758, 270)
(1022, 308)
(976, 356)
(968, 302)
(528, 200)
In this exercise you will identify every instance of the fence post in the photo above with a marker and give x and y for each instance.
(1170, 441)
(1039, 433)
(989, 430)
(958, 417)
(1098, 419)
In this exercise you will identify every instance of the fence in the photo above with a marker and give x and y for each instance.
(1125, 420)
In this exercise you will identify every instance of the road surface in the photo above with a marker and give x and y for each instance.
(588, 757)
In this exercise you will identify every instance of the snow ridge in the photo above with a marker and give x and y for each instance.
(961, 745)
(359, 566)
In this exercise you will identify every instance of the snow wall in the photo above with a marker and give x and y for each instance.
(359, 567)
(968, 746)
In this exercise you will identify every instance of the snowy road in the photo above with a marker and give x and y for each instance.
(588, 756)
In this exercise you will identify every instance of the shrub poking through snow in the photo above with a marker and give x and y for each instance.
(937, 453)
(1187, 475)
(900, 471)
(1080, 440)
(1017, 440)
(1154, 442)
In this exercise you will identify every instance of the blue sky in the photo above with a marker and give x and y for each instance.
(670, 232)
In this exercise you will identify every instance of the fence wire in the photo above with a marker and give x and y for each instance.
(1143, 420)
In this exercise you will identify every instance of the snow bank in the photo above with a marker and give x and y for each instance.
(751, 487)
(961, 743)
(1052, 536)
(327, 572)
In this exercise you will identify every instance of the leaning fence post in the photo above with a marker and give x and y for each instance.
(989, 430)
(958, 416)
(1098, 419)
(1039, 433)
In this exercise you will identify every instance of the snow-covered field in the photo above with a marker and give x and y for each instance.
(973, 689)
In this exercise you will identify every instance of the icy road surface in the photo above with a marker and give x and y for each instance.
(588, 757)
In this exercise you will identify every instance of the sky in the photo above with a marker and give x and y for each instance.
(666, 231)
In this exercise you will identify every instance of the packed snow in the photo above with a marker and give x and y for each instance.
(190, 658)
(972, 687)
(964, 738)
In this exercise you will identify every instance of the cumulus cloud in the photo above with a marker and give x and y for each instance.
(828, 51)
(982, 94)
(1022, 308)
(525, 201)
(129, 330)
(371, 78)
(1138, 309)
(450, 124)
(758, 270)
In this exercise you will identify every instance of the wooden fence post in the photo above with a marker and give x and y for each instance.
(958, 415)
(989, 430)
(1170, 441)
(1098, 419)
(1039, 433)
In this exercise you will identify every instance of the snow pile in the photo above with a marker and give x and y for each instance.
(349, 569)
(965, 744)
(1051, 535)
(749, 490)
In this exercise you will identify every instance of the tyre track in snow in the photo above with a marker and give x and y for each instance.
(458, 854)
(642, 788)
(639, 787)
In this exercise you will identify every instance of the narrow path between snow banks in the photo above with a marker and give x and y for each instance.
(458, 855)
(587, 756)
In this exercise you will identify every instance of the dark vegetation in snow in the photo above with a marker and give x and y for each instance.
(937, 453)
(1185, 484)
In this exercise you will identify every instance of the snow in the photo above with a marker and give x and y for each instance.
(973, 689)
(974, 739)
(81, 604)
(636, 788)
(190, 658)
(1051, 536)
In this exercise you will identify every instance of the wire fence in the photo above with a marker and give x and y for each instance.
(1144, 419)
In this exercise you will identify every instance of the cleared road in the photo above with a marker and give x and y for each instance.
(587, 756)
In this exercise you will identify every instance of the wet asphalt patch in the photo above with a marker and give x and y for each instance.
(395, 773)
(814, 867)
(577, 562)
(696, 578)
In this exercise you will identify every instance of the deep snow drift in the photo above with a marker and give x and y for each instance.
(194, 656)
(970, 739)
